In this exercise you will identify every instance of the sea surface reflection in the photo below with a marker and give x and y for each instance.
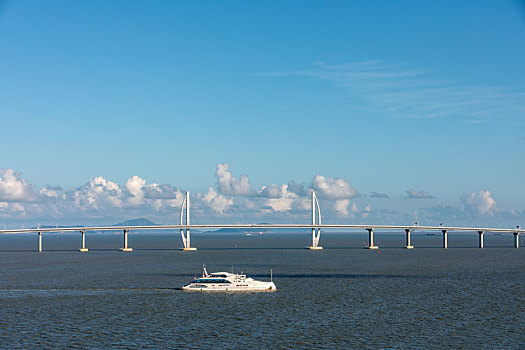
(340, 297)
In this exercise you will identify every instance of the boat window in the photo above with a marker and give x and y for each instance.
(211, 280)
(215, 275)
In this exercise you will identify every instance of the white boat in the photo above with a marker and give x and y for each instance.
(225, 281)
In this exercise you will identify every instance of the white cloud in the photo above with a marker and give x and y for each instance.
(333, 188)
(482, 202)
(159, 204)
(229, 185)
(14, 188)
(8, 210)
(47, 193)
(413, 93)
(413, 194)
(158, 196)
(341, 207)
(104, 200)
(284, 199)
(367, 211)
(379, 195)
(135, 187)
(163, 191)
(298, 189)
(215, 201)
(344, 208)
(98, 193)
(272, 191)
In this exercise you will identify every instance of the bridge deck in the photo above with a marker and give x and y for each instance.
(265, 226)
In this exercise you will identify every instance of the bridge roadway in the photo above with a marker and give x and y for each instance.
(265, 226)
(314, 227)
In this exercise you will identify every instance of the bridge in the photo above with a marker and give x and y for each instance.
(316, 226)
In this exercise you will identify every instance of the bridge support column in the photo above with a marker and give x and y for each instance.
(83, 249)
(480, 233)
(445, 239)
(516, 239)
(125, 248)
(186, 240)
(39, 240)
(315, 237)
(408, 246)
(371, 239)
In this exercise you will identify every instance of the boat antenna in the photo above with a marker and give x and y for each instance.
(271, 275)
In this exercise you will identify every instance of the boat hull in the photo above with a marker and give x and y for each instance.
(260, 287)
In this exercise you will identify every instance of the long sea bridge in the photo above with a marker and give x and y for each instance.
(316, 226)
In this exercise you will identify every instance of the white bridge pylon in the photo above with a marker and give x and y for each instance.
(186, 238)
(315, 236)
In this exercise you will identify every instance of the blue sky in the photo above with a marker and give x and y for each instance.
(387, 96)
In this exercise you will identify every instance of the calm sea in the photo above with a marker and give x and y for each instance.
(341, 297)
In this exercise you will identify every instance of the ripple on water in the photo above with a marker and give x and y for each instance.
(337, 298)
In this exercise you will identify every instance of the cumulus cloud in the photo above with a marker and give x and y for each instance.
(272, 191)
(283, 200)
(333, 188)
(215, 201)
(367, 211)
(413, 194)
(7, 209)
(298, 189)
(47, 193)
(158, 195)
(482, 202)
(379, 195)
(14, 188)
(163, 191)
(98, 193)
(229, 185)
(341, 207)
(135, 187)
(107, 201)
(344, 208)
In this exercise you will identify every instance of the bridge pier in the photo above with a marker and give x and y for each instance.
(480, 233)
(516, 239)
(315, 237)
(445, 239)
(83, 249)
(408, 246)
(39, 240)
(125, 248)
(371, 239)
(186, 240)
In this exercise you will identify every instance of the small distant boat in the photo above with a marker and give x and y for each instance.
(231, 282)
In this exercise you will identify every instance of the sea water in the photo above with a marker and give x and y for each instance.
(341, 297)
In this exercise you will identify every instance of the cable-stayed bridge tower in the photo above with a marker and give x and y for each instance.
(186, 240)
(315, 236)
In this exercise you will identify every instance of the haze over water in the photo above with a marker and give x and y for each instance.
(341, 297)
